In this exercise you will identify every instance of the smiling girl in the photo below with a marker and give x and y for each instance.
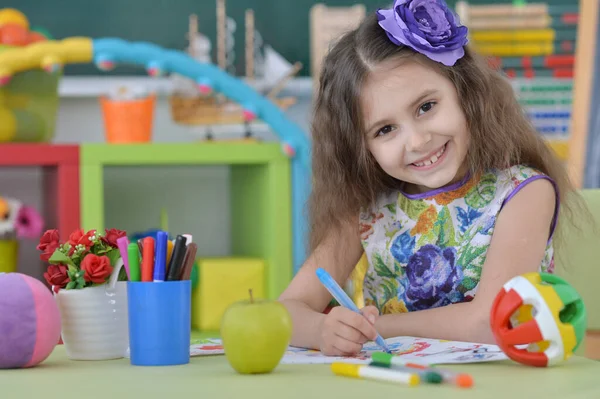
(424, 161)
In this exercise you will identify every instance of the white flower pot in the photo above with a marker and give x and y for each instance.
(95, 321)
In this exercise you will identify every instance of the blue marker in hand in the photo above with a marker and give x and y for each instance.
(343, 299)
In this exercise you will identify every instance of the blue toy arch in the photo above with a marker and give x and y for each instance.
(295, 143)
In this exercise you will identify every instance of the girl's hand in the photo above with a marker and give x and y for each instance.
(343, 332)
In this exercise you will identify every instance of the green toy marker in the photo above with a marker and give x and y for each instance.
(463, 380)
(382, 359)
(424, 375)
(133, 255)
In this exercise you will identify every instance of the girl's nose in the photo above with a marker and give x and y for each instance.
(418, 141)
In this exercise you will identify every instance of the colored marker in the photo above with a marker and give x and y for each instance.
(122, 243)
(133, 255)
(463, 380)
(148, 259)
(188, 238)
(169, 251)
(426, 376)
(177, 258)
(374, 373)
(188, 261)
(343, 299)
(160, 257)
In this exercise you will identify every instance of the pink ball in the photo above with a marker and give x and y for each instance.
(29, 321)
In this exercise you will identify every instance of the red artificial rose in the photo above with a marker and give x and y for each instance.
(96, 268)
(48, 244)
(78, 237)
(49, 236)
(56, 275)
(112, 235)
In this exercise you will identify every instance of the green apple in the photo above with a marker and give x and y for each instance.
(255, 334)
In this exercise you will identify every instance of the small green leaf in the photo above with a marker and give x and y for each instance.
(122, 275)
(471, 256)
(71, 285)
(391, 208)
(71, 272)
(444, 229)
(483, 192)
(381, 268)
(389, 290)
(390, 234)
(428, 238)
(101, 251)
(113, 256)
(413, 208)
(398, 270)
(59, 257)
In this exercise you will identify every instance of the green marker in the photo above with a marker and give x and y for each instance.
(463, 380)
(133, 255)
(388, 360)
(427, 376)
(391, 361)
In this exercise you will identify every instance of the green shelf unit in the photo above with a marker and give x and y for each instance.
(260, 193)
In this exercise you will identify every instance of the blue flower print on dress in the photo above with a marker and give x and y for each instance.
(432, 278)
(403, 247)
(437, 255)
(466, 217)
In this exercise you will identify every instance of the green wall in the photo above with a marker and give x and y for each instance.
(284, 24)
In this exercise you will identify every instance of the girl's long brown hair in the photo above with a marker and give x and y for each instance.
(346, 177)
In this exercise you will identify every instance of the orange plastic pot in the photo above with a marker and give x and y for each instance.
(128, 121)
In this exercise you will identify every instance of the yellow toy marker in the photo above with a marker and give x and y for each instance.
(375, 373)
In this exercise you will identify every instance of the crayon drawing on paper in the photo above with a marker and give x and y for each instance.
(421, 350)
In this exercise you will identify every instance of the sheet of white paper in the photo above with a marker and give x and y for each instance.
(421, 350)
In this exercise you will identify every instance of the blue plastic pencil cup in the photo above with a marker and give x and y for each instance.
(159, 322)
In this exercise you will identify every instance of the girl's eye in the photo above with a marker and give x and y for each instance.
(426, 107)
(384, 130)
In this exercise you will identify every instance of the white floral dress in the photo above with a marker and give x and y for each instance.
(427, 250)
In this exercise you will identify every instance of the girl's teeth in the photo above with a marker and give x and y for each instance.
(433, 159)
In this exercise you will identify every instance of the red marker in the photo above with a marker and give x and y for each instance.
(148, 259)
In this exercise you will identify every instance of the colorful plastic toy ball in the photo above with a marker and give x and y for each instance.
(13, 35)
(29, 321)
(13, 16)
(538, 319)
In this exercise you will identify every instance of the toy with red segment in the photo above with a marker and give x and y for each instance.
(538, 319)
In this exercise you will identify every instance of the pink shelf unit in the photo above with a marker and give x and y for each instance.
(60, 166)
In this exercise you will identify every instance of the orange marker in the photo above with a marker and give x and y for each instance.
(148, 259)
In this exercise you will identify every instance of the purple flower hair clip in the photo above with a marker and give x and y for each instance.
(428, 27)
